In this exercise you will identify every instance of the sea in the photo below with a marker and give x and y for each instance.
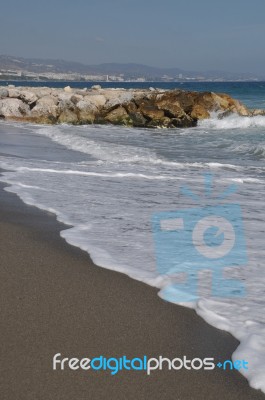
(112, 185)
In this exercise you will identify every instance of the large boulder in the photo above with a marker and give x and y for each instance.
(68, 117)
(186, 100)
(130, 107)
(46, 110)
(138, 120)
(28, 97)
(140, 94)
(98, 100)
(66, 105)
(164, 122)
(241, 109)
(13, 108)
(206, 101)
(44, 91)
(185, 122)
(3, 93)
(171, 109)
(152, 112)
(13, 93)
(226, 102)
(64, 96)
(76, 98)
(86, 104)
(118, 116)
(86, 111)
(222, 102)
(49, 100)
(116, 98)
(199, 112)
(170, 104)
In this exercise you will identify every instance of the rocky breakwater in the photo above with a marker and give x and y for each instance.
(134, 107)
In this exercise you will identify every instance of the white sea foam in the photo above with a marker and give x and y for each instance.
(108, 200)
(105, 151)
(98, 174)
(249, 332)
(233, 122)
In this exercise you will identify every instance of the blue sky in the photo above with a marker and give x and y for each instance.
(193, 35)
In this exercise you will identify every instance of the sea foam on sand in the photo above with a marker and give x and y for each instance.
(122, 177)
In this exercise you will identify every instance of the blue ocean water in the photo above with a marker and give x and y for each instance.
(107, 183)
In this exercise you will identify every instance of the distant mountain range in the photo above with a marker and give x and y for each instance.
(127, 71)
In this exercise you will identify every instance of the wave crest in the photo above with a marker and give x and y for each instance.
(233, 122)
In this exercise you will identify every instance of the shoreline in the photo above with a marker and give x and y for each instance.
(68, 305)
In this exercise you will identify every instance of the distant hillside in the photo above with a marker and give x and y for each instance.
(61, 66)
(128, 71)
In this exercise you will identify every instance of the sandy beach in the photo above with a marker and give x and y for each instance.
(55, 300)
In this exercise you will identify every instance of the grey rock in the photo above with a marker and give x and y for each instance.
(3, 93)
(13, 93)
(76, 98)
(86, 112)
(49, 100)
(13, 108)
(97, 99)
(46, 110)
(28, 97)
(138, 119)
